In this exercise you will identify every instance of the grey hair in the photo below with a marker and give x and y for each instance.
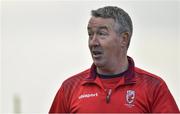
(120, 17)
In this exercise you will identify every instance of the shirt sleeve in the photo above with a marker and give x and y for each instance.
(163, 100)
(59, 104)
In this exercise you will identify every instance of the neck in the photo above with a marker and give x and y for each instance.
(114, 68)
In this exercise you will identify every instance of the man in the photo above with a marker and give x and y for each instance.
(113, 83)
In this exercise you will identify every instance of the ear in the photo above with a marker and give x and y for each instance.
(125, 39)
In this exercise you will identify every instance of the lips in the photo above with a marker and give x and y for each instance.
(96, 53)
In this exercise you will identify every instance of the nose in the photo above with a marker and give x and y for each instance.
(93, 41)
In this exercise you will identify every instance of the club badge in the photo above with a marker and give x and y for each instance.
(130, 97)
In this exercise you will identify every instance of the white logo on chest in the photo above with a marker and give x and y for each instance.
(88, 95)
(130, 97)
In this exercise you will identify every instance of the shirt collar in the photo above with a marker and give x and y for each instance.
(129, 75)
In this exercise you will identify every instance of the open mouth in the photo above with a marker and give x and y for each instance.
(96, 54)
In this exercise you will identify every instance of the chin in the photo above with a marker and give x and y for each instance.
(98, 64)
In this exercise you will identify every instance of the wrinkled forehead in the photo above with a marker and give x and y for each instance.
(98, 23)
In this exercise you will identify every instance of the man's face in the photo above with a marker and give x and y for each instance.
(104, 42)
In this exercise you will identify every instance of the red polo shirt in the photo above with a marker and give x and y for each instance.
(135, 91)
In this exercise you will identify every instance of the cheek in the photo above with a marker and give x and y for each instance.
(110, 45)
(89, 46)
(109, 49)
(112, 48)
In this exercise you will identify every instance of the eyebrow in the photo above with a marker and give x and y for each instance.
(101, 27)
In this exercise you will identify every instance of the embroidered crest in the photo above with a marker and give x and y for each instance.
(130, 97)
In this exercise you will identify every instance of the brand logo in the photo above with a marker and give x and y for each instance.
(88, 95)
(130, 97)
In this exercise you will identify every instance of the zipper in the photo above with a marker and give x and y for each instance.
(108, 95)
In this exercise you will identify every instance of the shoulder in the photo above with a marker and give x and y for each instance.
(76, 79)
(148, 77)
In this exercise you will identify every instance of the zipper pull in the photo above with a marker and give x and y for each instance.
(108, 95)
